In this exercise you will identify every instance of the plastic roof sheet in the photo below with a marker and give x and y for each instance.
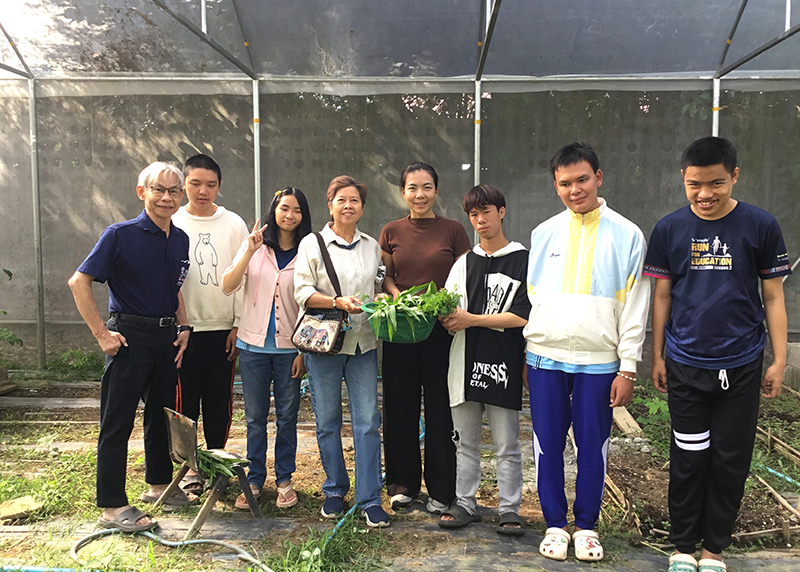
(366, 39)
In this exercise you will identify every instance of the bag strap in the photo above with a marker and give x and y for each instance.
(326, 258)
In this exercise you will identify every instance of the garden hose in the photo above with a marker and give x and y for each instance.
(338, 526)
(243, 554)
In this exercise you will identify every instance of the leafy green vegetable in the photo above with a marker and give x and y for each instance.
(413, 305)
(210, 464)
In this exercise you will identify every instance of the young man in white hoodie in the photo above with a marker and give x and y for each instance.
(584, 339)
(487, 360)
(215, 235)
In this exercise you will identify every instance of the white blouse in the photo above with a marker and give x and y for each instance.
(357, 266)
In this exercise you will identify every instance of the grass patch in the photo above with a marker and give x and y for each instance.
(352, 547)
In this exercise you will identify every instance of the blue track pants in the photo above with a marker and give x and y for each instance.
(552, 411)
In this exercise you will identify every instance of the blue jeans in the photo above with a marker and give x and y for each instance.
(257, 371)
(360, 372)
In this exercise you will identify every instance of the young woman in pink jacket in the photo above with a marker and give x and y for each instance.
(264, 267)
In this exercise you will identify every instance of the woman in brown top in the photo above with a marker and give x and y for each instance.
(418, 249)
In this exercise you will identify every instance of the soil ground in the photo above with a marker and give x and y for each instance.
(416, 541)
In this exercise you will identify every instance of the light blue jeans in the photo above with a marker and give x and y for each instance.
(360, 372)
(258, 370)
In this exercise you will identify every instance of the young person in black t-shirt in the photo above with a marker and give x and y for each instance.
(487, 360)
(708, 316)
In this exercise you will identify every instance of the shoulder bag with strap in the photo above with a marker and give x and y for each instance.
(321, 330)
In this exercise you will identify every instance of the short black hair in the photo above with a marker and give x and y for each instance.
(710, 151)
(574, 153)
(202, 162)
(481, 196)
(418, 166)
(303, 229)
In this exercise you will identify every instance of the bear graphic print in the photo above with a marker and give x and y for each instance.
(206, 258)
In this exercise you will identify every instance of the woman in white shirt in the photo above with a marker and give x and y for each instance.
(356, 258)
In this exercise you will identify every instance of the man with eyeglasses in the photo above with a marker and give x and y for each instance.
(144, 261)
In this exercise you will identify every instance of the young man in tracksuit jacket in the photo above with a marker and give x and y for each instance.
(486, 360)
(584, 337)
(707, 258)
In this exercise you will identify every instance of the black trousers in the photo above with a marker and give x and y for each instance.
(713, 432)
(206, 376)
(409, 370)
(145, 370)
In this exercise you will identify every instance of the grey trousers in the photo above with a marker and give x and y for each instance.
(504, 424)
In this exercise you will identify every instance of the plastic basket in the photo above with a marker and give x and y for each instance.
(404, 333)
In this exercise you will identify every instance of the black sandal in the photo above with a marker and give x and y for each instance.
(511, 524)
(461, 517)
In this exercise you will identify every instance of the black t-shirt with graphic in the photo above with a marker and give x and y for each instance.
(495, 358)
(714, 265)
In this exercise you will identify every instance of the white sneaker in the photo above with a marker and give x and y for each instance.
(435, 507)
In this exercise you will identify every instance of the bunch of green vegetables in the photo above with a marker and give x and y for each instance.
(211, 465)
(414, 305)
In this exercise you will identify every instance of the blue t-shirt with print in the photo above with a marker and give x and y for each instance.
(714, 265)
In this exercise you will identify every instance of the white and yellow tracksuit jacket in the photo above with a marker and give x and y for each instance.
(589, 303)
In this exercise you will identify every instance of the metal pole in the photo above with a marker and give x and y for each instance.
(788, 23)
(205, 38)
(760, 50)
(203, 17)
(487, 39)
(37, 227)
(715, 109)
(257, 148)
(733, 31)
(477, 160)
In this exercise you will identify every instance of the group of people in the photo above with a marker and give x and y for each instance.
(191, 289)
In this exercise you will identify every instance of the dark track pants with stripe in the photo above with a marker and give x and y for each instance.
(206, 376)
(558, 399)
(144, 369)
(713, 431)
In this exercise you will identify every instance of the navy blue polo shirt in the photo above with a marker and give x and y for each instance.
(144, 267)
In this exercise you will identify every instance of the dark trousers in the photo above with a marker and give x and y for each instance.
(145, 370)
(206, 376)
(713, 432)
(409, 370)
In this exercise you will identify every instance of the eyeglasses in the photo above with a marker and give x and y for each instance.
(174, 192)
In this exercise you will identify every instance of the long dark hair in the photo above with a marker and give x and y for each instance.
(304, 228)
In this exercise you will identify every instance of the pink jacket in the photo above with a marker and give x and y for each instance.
(263, 282)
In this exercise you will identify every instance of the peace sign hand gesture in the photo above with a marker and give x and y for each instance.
(256, 238)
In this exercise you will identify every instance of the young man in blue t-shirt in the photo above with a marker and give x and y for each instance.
(708, 316)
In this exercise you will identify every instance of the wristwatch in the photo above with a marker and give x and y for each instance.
(185, 328)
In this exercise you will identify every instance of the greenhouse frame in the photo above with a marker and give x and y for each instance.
(294, 93)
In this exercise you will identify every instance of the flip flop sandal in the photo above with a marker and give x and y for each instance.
(587, 546)
(193, 484)
(461, 517)
(711, 565)
(682, 563)
(241, 500)
(177, 500)
(511, 524)
(283, 491)
(126, 521)
(555, 544)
